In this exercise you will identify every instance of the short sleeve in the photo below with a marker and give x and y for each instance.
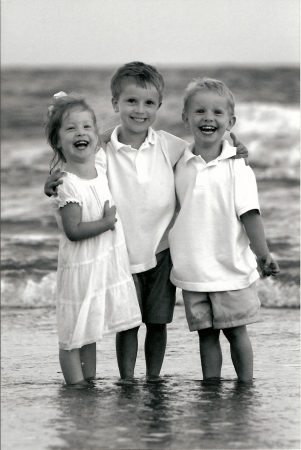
(67, 192)
(245, 188)
(101, 160)
(173, 147)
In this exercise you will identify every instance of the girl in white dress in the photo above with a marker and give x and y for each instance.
(95, 290)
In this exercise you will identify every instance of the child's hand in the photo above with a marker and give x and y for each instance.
(110, 213)
(52, 182)
(105, 137)
(268, 266)
(241, 150)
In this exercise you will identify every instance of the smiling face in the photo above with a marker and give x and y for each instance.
(137, 107)
(77, 135)
(208, 116)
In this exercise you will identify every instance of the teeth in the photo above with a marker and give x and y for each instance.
(137, 119)
(80, 143)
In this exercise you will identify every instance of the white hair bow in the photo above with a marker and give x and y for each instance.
(56, 97)
(60, 94)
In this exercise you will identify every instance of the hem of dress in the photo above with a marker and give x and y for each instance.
(120, 327)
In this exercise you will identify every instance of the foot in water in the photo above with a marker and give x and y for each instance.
(154, 379)
(80, 384)
(126, 381)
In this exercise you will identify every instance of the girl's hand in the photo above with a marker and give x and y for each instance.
(52, 182)
(110, 213)
(241, 150)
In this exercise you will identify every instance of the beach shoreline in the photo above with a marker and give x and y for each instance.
(182, 411)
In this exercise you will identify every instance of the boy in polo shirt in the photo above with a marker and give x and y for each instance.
(218, 221)
(140, 164)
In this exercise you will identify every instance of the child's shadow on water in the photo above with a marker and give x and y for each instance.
(113, 415)
(226, 412)
(173, 412)
(149, 415)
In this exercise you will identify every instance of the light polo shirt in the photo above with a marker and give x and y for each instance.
(209, 246)
(142, 185)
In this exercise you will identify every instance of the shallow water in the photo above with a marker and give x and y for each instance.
(181, 413)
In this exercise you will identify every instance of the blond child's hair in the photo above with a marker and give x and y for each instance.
(209, 84)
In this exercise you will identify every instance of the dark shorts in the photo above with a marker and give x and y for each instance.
(156, 293)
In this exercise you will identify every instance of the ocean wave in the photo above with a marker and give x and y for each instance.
(23, 292)
(30, 292)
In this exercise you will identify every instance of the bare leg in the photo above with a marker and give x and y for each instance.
(241, 352)
(88, 361)
(71, 366)
(126, 349)
(155, 345)
(211, 354)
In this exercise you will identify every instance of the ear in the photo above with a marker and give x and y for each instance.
(185, 120)
(232, 122)
(115, 104)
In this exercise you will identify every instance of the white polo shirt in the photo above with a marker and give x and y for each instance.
(209, 246)
(142, 185)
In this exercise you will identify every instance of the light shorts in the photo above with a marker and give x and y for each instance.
(156, 294)
(221, 310)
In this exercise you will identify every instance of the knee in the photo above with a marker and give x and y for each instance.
(235, 332)
(156, 328)
(209, 333)
(130, 332)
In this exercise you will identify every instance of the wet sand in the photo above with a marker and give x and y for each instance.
(182, 413)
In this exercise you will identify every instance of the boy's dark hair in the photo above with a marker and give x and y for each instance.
(56, 110)
(141, 74)
(209, 84)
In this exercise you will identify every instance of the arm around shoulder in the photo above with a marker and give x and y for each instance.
(173, 146)
(54, 180)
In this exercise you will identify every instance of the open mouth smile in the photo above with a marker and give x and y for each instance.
(81, 144)
(138, 119)
(206, 129)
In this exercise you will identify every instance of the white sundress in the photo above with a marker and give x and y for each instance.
(95, 289)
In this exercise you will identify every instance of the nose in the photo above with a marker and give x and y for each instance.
(81, 131)
(208, 116)
(140, 107)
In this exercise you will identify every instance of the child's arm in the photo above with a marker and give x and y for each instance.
(52, 182)
(255, 231)
(76, 230)
(105, 137)
(241, 150)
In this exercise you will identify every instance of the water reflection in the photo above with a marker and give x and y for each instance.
(178, 414)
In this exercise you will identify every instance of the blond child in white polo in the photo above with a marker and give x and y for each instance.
(218, 222)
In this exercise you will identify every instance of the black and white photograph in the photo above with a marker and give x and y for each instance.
(150, 224)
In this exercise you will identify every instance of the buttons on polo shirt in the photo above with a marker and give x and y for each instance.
(200, 167)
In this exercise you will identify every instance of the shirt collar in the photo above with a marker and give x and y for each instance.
(227, 152)
(149, 140)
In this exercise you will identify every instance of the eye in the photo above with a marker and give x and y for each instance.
(88, 126)
(131, 100)
(150, 102)
(200, 111)
(70, 128)
(218, 112)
